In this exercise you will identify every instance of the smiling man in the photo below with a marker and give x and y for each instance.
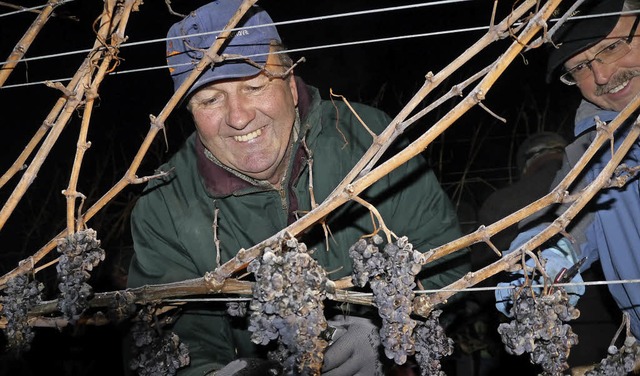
(246, 173)
(600, 55)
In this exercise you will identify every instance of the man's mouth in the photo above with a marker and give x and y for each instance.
(617, 83)
(248, 136)
(619, 87)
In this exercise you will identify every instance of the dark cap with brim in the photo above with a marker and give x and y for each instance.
(575, 36)
(188, 39)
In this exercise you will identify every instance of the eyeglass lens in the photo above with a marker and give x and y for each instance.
(607, 55)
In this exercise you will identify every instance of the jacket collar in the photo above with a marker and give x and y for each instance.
(221, 182)
(585, 116)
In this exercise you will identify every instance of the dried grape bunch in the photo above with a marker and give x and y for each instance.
(391, 276)
(538, 328)
(432, 344)
(619, 361)
(156, 351)
(287, 304)
(368, 261)
(20, 296)
(237, 309)
(81, 252)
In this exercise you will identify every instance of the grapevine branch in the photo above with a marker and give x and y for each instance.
(494, 34)
(91, 94)
(68, 108)
(166, 297)
(157, 123)
(219, 281)
(426, 304)
(346, 190)
(455, 91)
(47, 124)
(215, 281)
(25, 42)
(158, 294)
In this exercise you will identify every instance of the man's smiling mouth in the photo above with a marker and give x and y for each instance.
(248, 136)
(619, 87)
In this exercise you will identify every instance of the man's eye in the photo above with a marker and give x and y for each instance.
(211, 100)
(612, 47)
(255, 87)
(578, 68)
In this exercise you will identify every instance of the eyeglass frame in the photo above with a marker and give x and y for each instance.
(567, 77)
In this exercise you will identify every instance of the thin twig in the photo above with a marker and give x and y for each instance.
(171, 11)
(216, 241)
(375, 213)
(344, 99)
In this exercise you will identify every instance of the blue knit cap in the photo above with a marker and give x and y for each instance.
(199, 31)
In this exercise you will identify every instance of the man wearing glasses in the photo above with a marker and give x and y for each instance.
(600, 55)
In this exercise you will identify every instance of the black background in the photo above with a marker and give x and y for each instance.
(473, 158)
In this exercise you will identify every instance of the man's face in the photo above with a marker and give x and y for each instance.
(247, 123)
(611, 86)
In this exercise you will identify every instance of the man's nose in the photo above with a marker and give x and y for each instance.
(601, 72)
(240, 112)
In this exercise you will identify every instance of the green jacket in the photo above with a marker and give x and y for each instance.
(172, 222)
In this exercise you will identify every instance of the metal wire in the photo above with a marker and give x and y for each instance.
(30, 9)
(320, 47)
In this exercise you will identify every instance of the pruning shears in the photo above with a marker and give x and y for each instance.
(565, 275)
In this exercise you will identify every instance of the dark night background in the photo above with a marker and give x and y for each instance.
(472, 159)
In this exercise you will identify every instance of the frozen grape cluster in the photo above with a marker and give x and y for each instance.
(81, 252)
(156, 351)
(620, 361)
(287, 304)
(432, 344)
(539, 328)
(21, 294)
(391, 276)
(368, 261)
(237, 309)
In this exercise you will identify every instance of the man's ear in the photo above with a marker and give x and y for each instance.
(294, 88)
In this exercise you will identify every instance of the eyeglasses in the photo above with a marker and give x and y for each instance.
(610, 54)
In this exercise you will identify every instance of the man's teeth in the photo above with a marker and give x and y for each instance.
(618, 88)
(248, 136)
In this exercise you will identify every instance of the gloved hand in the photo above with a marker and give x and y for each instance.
(558, 257)
(249, 367)
(354, 348)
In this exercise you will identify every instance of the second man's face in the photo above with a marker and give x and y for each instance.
(247, 123)
(611, 86)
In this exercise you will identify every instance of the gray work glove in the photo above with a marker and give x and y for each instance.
(354, 348)
(249, 367)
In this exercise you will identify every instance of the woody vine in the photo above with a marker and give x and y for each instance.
(79, 245)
